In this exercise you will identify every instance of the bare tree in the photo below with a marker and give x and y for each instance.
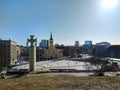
(99, 66)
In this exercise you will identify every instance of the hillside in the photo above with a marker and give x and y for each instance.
(60, 82)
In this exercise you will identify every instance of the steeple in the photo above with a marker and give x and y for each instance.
(51, 36)
(51, 40)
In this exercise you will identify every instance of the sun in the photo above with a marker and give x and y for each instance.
(108, 4)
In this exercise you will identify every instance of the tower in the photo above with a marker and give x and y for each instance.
(51, 52)
(51, 47)
(51, 40)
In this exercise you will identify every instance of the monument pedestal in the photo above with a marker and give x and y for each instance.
(32, 53)
(32, 58)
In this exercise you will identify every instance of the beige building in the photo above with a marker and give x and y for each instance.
(18, 48)
(52, 52)
(8, 52)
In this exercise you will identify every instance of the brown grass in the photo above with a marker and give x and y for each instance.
(59, 82)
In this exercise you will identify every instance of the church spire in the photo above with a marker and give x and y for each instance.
(51, 40)
(51, 36)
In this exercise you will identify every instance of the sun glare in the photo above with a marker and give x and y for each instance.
(107, 4)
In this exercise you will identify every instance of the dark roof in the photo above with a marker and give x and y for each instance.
(114, 47)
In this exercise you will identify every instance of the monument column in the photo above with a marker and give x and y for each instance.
(32, 53)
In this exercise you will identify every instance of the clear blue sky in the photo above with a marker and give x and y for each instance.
(69, 20)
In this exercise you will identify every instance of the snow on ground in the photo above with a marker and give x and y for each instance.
(63, 64)
(55, 64)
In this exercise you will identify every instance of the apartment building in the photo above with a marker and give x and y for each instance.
(8, 53)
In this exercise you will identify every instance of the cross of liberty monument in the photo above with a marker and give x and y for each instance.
(32, 52)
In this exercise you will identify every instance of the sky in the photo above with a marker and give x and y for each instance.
(68, 20)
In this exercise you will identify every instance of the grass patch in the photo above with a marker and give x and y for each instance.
(60, 82)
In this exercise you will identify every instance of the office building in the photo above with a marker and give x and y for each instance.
(113, 51)
(8, 53)
(77, 43)
(44, 43)
(88, 43)
(100, 48)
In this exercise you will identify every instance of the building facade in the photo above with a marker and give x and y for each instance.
(77, 43)
(52, 52)
(113, 51)
(44, 43)
(99, 49)
(24, 53)
(8, 52)
(18, 48)
(88, 43)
